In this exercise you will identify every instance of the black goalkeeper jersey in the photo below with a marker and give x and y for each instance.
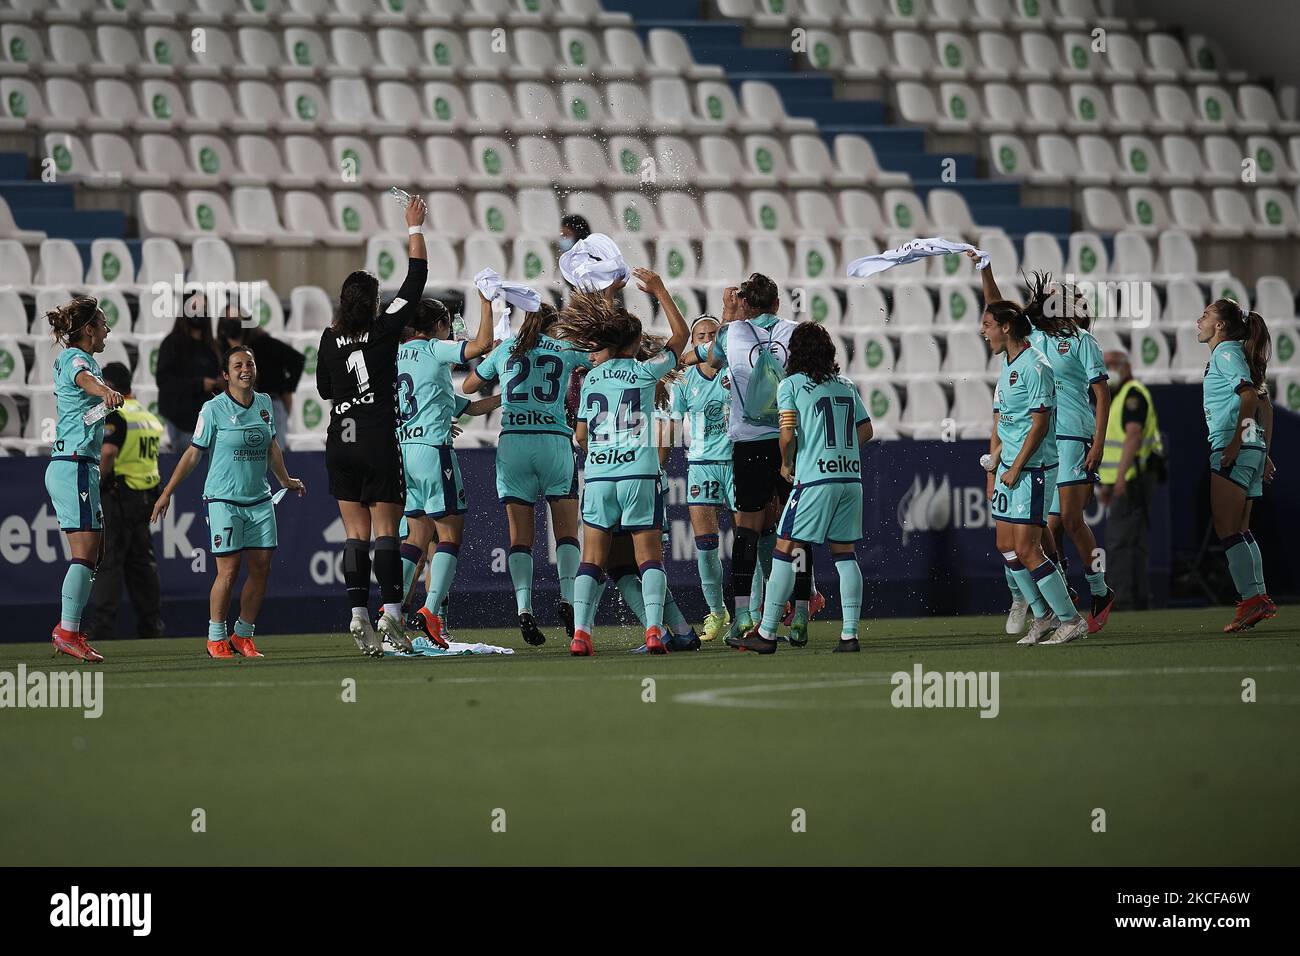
(359, 373)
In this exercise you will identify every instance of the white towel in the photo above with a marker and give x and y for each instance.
(454, 649)
(594, 263)
(911, 251)
(490, 283)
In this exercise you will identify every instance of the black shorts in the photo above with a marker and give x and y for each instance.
(367, 470)
(756, 466)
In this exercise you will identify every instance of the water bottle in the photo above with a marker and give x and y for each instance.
(96, 414)
(458, 331)
(403, 198)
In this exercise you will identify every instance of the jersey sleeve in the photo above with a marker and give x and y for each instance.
(114, 429)
(681, 402)
(785, 395)
(577, 359)
(205, 429)
(324, 353)
(859, 410)
(1135, 409)
(490, 367)
(458, 405)
(448, 351)
(653, 369)
(404, 305)
(1094, 366)
(719, 348)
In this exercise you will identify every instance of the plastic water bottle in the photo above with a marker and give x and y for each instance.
(458, 327)
(96, 414)
(402, 196)
(986, 462)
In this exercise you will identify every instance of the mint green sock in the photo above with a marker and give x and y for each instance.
(1054, 591)
(216, 631)
(1029, 589)
(1258, 561)
(75, 594)
(442, 571)
(408, 574)
(520, 563)
(629, 585)
(1012, 586)
(778, 592)
(586, 597)
(1097, 583)
(654, 588)
(708, 560)
(567, 557)
(850, 592)
(1241, 565)
(243, 628)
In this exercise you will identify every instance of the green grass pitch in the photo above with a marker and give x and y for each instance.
(1145, 721)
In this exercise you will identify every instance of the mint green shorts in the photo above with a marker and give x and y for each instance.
(233, 528)
(1025, 502)
(711, 483)
(821, 512)
(533, 466)
(1247, 470)
(73, 487)
(623, 504)
(433, 485)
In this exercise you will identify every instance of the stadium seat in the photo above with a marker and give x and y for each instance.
(110, 264)
(1042, 253)
(873, 354)
(927, 408)
(883, 405)
(211, 261)
(13, 365)
(310, 309)
(866, 307)
(1274, 298)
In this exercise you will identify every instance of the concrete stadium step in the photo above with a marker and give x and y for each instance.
(883, 139)
(832, 112)
(801, 86)
(13, 166)
(31, 193)
(677, 9)
(741, 59)
(78, 224)
(923, 166)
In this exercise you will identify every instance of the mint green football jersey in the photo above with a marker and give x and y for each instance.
(237, 440)
(533, 385)
(73, 438)
(1076, 364)
(705, 403)
(426, 400)
(1025, 386)
(618, 405)
(827, 434)
(1227, 374)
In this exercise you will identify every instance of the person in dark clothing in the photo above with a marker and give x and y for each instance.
(128, 469)
(279, 364)
(189, 371)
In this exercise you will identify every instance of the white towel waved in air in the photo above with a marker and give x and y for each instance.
(911, 251)
(594, 263)
(490, 283)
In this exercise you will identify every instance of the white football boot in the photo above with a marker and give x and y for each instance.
(1041, 627)
(392, 630)
(1070, 631)
(368, 642)
(1016, 616)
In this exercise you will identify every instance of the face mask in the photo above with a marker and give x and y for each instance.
(566, 244)
(1112, 377)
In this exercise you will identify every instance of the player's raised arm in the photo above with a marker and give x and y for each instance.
(988, 284)
(482, 342)
(651, 283)
(415, 247)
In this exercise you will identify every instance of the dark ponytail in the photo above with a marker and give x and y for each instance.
(1042, 292)
(1010, 316)
(1249, 329)
(535, 323)
(70, 320)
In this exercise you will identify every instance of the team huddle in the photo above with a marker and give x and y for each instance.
(775, 434)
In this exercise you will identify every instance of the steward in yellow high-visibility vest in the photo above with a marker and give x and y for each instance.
(1131, 460)
(128, 469)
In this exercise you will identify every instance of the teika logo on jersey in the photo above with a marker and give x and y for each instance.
(839, 465)
(78, 909)
(611, 457)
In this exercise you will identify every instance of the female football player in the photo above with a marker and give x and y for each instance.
(237, 430)
(823, 425)
(615, 427)
(427, 407)
(535, 455)
(702, 399)
(1239, 414)
(1059, 316)
(356, 369)
(1020, 484)
(72, 476)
